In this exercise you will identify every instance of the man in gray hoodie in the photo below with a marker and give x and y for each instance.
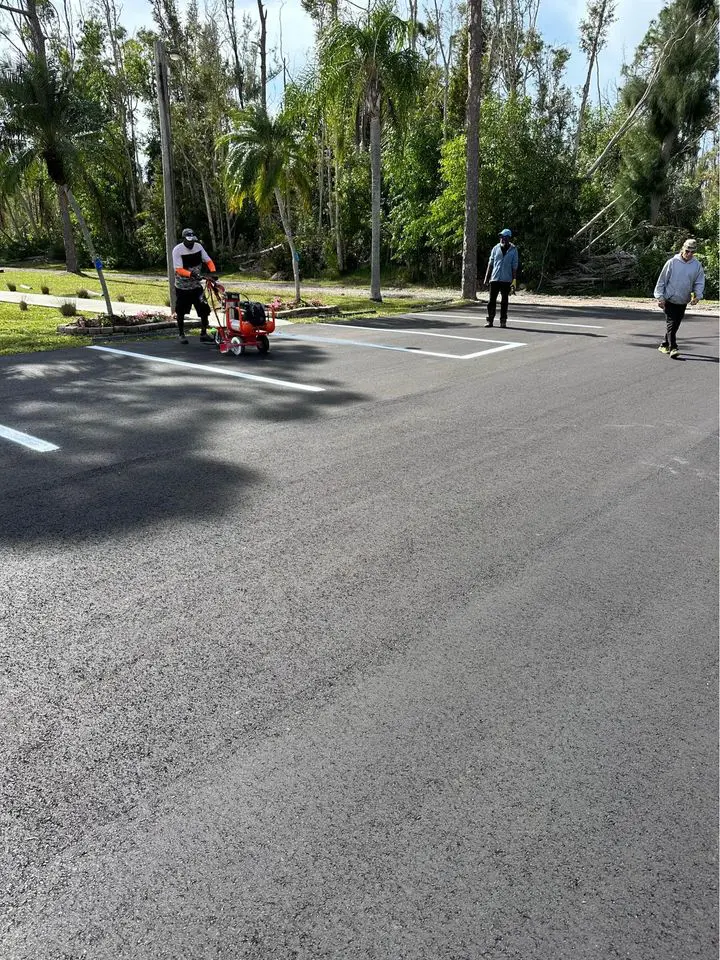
(681, 281)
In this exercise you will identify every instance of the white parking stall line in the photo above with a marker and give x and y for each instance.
(466, 316)
(27, 440)
(212, 368)
(414, 333)
(412, 351)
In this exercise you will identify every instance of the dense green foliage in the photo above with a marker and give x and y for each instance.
(81, 109)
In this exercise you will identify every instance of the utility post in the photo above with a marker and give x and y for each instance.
(163, 96)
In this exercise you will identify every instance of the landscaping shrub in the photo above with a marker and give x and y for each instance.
(44, 289)
(82, 294)
(23, 305)
(11, 286)
(68, 308)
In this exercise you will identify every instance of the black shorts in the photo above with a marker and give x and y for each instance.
(185, 299)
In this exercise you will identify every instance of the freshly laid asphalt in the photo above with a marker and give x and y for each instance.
(419, 664)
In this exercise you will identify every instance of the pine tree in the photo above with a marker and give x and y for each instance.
(680, 104)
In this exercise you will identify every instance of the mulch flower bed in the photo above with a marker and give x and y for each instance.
(102, 324)
(131, 323)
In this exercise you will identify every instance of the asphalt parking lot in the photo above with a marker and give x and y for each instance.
(398, 642)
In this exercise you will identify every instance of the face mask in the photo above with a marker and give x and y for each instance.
(189, 244)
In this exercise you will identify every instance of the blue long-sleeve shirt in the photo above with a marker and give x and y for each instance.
(504, 267)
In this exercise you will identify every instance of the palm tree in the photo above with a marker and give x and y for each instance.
(371, 71)
(44, 120)
(36, 104)
(268, 159)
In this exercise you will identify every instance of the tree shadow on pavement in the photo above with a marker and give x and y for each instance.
(141, 443)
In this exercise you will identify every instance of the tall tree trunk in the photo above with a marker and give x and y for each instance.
(208, 210)
(446, 59)
(285, 218)
(36, 34)
(321, 175)
(90, 247)
(26, 203)
(584, 98)
(229, 6)
(472, 157)
(668, 149)
(375, 173)
(263, 54)
(71, 257)
(413, 4)
(600, 17)
(339, 245)
(121, 101)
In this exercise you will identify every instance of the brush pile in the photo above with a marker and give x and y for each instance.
(594, 274)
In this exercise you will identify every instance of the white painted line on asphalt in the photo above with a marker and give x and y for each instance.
(520, 320)
(26, 440)
(414, 333)
(208, 368)
(340, 342)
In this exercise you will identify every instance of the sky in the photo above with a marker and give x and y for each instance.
(558, 22)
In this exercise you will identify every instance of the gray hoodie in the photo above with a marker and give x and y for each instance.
(678, 279)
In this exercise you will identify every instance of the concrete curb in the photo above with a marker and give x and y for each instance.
(309, 312)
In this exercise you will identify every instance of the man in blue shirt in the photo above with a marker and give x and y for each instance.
(502, 273)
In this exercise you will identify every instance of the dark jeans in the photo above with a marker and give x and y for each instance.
(674, 312)
(184, 300)
(501, 287)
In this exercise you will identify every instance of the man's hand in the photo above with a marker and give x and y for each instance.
(693, 300)
(513, 286)
(661, 304)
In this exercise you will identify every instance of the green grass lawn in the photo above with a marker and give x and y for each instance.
(143, 289)
(34, 329)
(62, 284)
